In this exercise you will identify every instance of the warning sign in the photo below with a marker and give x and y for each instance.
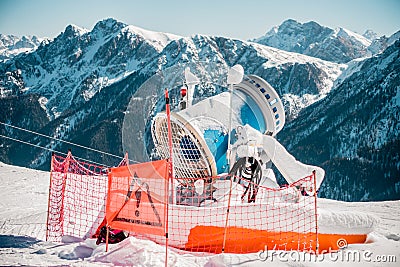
(136, 197)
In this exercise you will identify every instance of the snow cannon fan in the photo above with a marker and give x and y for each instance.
(200, 133)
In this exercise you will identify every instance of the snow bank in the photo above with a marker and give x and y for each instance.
(346, 222)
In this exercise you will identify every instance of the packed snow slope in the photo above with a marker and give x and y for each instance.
(22, 230)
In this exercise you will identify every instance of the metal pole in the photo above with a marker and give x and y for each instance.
(228, 153)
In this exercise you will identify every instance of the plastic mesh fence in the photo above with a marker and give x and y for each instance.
(222, 214)
(77, 198)
(220, 219)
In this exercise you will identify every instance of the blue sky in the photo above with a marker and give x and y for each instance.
(230, 18)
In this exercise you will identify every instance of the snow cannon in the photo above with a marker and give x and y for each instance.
(204, 133)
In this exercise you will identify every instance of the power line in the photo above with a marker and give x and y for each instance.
(27, 143)
(60, 140)
(52, 150)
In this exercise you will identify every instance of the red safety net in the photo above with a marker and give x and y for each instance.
(234, 215)
(213, 215)
(77, 198)
(222, 215)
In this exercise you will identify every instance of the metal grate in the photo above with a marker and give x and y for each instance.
(191, 160)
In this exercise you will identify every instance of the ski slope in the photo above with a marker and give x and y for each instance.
(23, 203)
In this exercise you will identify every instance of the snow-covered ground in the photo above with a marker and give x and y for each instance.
(23, 203)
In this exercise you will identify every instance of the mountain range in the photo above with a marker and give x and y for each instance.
(77, 87)
(336, 45)
(11, 45)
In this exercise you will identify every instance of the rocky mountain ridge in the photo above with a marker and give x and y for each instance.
(336, 45)
(354, 133)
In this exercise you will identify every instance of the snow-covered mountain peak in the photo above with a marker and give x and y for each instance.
(370, 35)
(274, 30)
(378, 45)
(350, 35)
(79, 63)
(293, 36)
(75, 30)
(289, 24)
(310, 38)
(108, 26)
(293, 27)
(11, 45)
(158, 39)
(108, 23)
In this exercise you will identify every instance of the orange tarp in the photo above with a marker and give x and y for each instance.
(244, 240)
(136, 197)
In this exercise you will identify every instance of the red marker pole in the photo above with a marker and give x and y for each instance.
(316, 212)
(170, 172)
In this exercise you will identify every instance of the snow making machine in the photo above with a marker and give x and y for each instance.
(232, 132)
